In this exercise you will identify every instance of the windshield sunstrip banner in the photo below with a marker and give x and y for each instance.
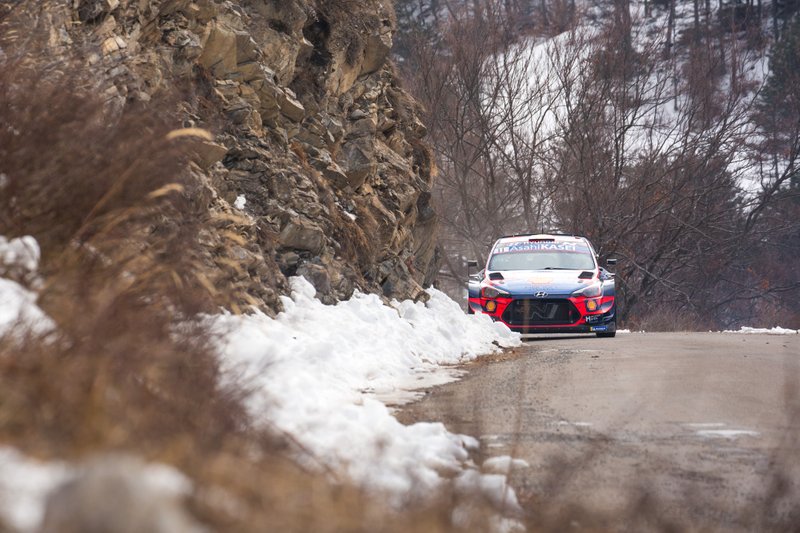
(515, 247)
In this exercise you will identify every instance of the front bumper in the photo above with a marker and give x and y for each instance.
(530, 316)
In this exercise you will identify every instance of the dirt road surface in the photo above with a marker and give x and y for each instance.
(646, 431)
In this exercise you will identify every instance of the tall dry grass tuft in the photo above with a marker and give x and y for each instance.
(116, 209)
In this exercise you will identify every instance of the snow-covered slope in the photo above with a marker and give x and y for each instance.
(317, 372)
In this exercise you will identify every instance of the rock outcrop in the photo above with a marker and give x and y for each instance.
(311, 129)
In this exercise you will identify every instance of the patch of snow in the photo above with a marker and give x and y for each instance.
(240, 202)
(19, 313)
(576, 424)
(317, 372)
(623, 331)
(726, 433)
(396, 396)
(706, 425)
(25, 483)
(22, 252)
(493, 487)
(493, 441)
(503, 464)
(745, 330)
(24, 486)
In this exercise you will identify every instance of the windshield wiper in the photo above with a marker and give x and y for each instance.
(558, 268)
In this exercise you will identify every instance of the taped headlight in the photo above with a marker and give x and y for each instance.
(592, 291)
(492, 292)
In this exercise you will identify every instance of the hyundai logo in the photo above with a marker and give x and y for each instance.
(541, 294)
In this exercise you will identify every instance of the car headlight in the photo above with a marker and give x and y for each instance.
(492, 292)
(592, 291)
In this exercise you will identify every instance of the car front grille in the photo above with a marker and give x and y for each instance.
(540, 312)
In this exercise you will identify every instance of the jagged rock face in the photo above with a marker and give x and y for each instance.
(312, 129)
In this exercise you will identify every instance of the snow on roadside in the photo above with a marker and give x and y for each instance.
(26, 483)
(314, 369)
(745, 330)
(18, 310)
(19, 258)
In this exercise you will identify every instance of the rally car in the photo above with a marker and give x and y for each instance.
(545, 283)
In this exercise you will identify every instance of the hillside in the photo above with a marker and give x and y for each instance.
(666, 132)
(317, 165)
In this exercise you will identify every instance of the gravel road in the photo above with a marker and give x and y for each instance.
(646, 431)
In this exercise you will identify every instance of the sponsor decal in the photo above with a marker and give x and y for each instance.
(540, 280)
(598, 328)
(515, 247)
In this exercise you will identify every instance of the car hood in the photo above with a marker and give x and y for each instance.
(529, 282)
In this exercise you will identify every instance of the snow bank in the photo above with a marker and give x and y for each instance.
(24, 486)
(21, 253)
(18, 310)
(314, 372)
(25, 483)
(745, 330)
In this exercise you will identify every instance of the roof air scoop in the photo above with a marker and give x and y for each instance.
(496, 276)
(586, 274)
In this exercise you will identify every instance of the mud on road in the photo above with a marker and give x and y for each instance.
(645, 431)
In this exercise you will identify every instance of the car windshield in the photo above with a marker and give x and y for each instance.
(542, 256)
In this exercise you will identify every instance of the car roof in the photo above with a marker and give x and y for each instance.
(557, 237)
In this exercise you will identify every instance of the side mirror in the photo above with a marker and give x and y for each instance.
(472, 263)
(611, 261)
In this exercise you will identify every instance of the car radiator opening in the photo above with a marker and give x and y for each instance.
(526, 312)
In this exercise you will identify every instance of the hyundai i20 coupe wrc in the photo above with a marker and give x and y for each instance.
(546, 283)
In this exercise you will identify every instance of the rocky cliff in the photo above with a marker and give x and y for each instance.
(318, 165)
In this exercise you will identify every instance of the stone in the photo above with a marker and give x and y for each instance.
(334, 127)
(287, 14)
(219, 50)
(250, 71)
(109, 46)
(246, 48)
(391, 158)
(107, 27)
(207, 153)
(91, 10)
(308, 137)
(288, 261)
(342, 74)
(363, 127)
(317, 275)
(376, 51)
(268, 95)
(302, 234)
(357, 159)
(290, 106)
(280, 53)
(336, 175)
